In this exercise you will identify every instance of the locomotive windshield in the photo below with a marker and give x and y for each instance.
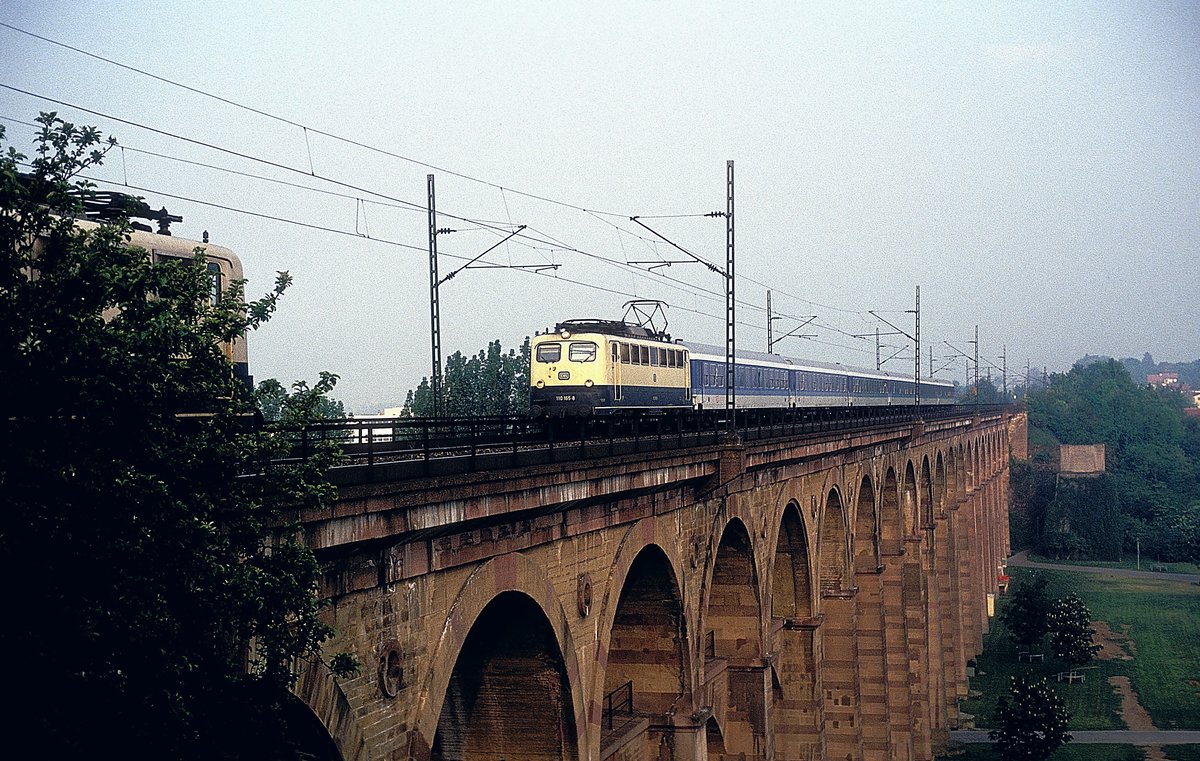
(582, 351)
(549, 352)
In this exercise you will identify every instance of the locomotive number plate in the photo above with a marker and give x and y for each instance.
(564, 397)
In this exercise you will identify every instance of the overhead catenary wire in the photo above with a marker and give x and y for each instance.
(497, 228)
(560, 245)
(382, 151)
(384, 241)
(683, 286)
(299, 125)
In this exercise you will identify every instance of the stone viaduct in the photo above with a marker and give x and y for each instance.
(812, 597)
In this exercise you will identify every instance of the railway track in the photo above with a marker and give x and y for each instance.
(415, 447)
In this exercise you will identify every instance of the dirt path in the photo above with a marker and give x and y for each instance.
(1114, 645)
(1135, 716)
(1117, 646)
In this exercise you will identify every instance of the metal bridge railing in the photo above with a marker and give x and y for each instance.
(432, 446)
(619, 702)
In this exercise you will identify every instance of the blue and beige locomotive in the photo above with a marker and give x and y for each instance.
(601, 367)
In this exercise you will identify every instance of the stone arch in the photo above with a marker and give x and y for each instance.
(940, 486)
(978, 461)
(308, 733)
(319, 690)
(833, 546)
(866, 528)
(791, 575)
(645, 647)
(714, 739)
(892, 522)
(926, 494)
(732, 608)
(839, 647)
(963, 479)
(971, 468)
(952, 483)
(908, 500)
(732, 640)
(508, 695)
(794, 683)
(513, 572)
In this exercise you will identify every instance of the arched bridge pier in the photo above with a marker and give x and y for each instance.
(802, 597)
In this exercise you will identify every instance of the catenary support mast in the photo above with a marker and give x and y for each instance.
(435, 317)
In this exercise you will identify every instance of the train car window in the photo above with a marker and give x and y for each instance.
(616, 352)
(549, 352)
(624, 354)
(644, 352)
(655, 356)
(582, 351)
(214, 288)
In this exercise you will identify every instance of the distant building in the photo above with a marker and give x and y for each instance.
(1196, 399)
(1163, 380)
(373, 428)
(1080, 459)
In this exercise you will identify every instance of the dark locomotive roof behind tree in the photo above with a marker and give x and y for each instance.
(107, 205)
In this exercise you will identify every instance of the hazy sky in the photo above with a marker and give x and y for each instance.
(1035, 168)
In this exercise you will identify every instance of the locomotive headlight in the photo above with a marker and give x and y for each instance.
(566, 334)
(541, 384)
(588, 383)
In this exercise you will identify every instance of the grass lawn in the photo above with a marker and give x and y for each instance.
(1069, 752)
(1164, 625)
(1129, 563)
(1182, 752)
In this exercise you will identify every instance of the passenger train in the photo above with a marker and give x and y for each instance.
(601, 367)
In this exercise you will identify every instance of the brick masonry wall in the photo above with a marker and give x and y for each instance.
(888, 649)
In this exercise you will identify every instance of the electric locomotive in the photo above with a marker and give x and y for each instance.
(597, 367)
(222, 265)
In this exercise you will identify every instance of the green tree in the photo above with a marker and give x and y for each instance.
(1031, 721)
(1152, 453)
(157, 614)
(302, 403)
(1071, 631)
(986, 393)
(1025, 614)
(1033, 489)
(493, 382)
(1083, 519)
